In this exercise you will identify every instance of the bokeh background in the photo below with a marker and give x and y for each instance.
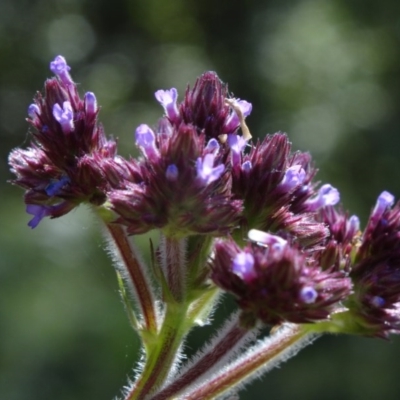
(326, 72)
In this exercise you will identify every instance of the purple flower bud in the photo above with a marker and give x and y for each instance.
(378, 301)
(54, 188)
(90, 104)
(212, 145)
(146, 140)
(247, 166)
(266, 239)
(237, 144)
(168, 98)
(60, 68)
(294, 176)
(385, 200)
(172, 172)
(64, 116)
(33, 111)
(243, 266)
(327, 196)
(206, 172)
(353, 225)
(308, 295)
(233, 121)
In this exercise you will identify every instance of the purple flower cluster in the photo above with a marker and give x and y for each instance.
(198, 176)
(275, 282)
(70, 161)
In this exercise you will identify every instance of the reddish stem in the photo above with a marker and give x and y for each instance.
(205, 363)
(137, 277)
(246, 366)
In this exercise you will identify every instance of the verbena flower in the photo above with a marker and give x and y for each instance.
(186, 187)
(64, 164)
(276, 188)
(374, 308)
(274, 281)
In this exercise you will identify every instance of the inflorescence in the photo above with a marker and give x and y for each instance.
(282, 244)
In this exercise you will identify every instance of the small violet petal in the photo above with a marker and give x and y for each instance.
(33, 111)
(212, 145)
(233, 121)
(54, 188)
(243, 266)
(353, 225)
(293, 177)
(60, 68)
(168, 99)
(378, 301)
(308, 294)
(266, 239)
(38, 212)
(64, 116)
(237, 144)
(90, 104)
(172, 172)
(327, 196)
(384, 201)
(247, 166)
(146, 140)
(206, 171)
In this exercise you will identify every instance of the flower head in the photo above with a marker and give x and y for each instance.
(375, 305)
(65, 164)
(185, 188)
(276, 283)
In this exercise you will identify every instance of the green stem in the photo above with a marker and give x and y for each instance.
(225, 345)
(163, 352)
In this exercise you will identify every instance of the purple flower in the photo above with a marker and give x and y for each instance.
(146, 140)
(41, 211)
(243, 266)
(64, 116)
(308, 294)
(60, 68)
(327, 196)
(69, 156)
(266, 239)
(277, 284)
(172, 172)
(168, 99)
(54, 187)
(384, 201)
(33, 111)
(237, 144)
(206, 172)
(233, 121)
(90, 104)
(247, 166)
(38, 212)
(294, 176)
(212, 146)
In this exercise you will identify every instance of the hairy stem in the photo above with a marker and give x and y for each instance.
(134, 270)
(163, 353)
(282, 345)
(173, 263)
(229, 340)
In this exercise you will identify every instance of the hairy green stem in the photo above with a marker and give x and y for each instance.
(225, 344)
(163, 352)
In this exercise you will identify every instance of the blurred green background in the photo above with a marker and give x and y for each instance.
(326, 72)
